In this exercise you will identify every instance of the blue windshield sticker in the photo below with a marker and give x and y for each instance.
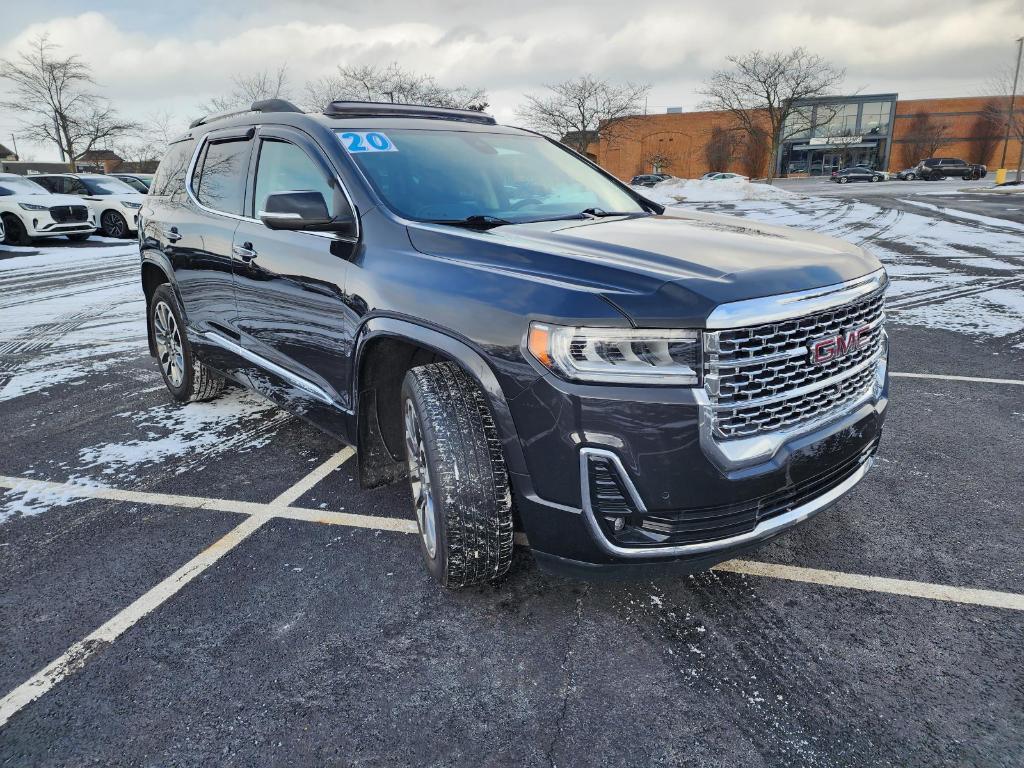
(367, 141)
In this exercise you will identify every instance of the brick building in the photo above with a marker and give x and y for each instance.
(874, 129)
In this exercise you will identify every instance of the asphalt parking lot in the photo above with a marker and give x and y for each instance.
(206, 585)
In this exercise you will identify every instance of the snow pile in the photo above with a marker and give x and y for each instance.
(675, 191)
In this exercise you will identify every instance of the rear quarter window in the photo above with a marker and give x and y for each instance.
(170, 175)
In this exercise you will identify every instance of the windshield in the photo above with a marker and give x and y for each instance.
(431, 175)
(107, 186)
(21, 187)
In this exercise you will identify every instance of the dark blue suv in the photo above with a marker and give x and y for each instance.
(530, 343)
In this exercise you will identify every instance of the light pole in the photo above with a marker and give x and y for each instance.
(1013, 97)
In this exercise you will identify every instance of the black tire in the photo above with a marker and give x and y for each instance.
(450, 432)
(14, 231)
(968, 177)
(939, 177)
(193, 381)
(876, 178)
(81, 237)
(911, 177)
(113, 224)
(844, 179)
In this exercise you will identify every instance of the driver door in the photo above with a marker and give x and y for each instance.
(290, 285)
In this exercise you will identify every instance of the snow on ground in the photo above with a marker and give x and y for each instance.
(950, 269)
(675, 191)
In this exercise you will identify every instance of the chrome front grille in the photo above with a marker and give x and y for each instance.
(761, 379)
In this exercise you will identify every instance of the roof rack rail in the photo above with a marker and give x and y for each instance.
(266, 105)
(386, 109)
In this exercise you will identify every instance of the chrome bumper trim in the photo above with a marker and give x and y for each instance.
(770, 309)
(763, 530)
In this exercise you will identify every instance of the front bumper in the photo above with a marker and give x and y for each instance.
(41, 224)
(671, 478)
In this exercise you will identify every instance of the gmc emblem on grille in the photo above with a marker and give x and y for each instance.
(834, 347)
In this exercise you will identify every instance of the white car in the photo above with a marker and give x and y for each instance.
(723, 176)
(115, 204)
(30, 211)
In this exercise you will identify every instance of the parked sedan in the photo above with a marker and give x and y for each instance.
(907, 174)
(29, 211)
(723, 176)
(856, 173)
(114, 204)
(649, 179)
(140, 182)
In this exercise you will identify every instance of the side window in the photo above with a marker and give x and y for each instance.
(219, 181)
(75, 187)
(170, 175)
(283, 167)
(52, 184)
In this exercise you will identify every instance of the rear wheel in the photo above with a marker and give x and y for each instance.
(844, 179)
(15, 232)
(113, 224)
(460, 488)
(186, 378)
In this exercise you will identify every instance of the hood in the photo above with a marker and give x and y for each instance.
(658, 270)
(131, 197)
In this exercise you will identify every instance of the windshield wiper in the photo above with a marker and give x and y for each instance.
(477, 221)
(600, 213)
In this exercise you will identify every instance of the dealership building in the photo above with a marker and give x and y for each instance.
(878, 130)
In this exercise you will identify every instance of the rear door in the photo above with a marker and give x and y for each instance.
(290, 286)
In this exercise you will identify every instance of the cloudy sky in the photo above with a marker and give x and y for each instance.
(153, 57)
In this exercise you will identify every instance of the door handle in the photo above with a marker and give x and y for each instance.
(244, 251)
(173, 235)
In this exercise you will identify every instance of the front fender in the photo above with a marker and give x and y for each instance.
(459, 351)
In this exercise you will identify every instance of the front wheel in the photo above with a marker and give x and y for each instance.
(15, 232)
(186, 378)
(911, 177)
(460, 488)
(113, 224)
(844, 180)
(876, 178)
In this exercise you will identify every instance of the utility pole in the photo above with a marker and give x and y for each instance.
(1013, 97)
(14, 141)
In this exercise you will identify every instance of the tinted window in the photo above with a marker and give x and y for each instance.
(51, 183)
(219, 182)
(170, 176)
(283, 167)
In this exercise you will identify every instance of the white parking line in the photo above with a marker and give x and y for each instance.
(944, 377)
(76, 656)
(966, 595)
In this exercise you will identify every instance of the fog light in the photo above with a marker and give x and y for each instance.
(618, 524)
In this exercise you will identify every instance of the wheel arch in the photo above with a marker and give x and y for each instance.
(154, 274)
(385, 349)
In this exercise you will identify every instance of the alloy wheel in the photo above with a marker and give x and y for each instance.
(419, 476)
(168, 344)
(114, 225)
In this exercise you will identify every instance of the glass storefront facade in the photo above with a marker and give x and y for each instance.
(826, 134)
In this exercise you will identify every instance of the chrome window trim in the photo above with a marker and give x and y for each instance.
(190, 173)
(785, 306)
(763, 529)
(307, 386)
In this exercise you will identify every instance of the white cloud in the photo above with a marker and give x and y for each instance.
(938, 47)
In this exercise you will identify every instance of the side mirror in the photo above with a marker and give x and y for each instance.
(304, 210)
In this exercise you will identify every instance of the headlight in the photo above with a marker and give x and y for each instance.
(618, 355)
(32, 207)
(132, 206)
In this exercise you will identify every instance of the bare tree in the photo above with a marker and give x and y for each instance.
(657, 161)
(582, 110)
(391, 83)
(1000, 87)
(149, 141)
(924, 137)
(763, 93)
(720, 147)
(55, 98)
(247, 88)
(756, 153)
(986, 132)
